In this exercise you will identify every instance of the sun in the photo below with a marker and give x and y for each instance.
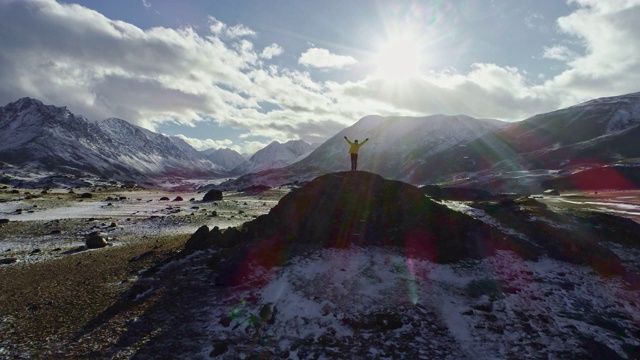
(399, 58)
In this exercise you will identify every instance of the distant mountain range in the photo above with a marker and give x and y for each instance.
(601, 132)
(456, 150)
(396, 144)
(485, 154)
(54, 139)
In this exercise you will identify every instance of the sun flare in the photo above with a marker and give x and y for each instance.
(399, 58)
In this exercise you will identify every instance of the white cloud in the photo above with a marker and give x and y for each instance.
(200, 144)
(608, 31)
(559, 52)
(323, 58)
(232, 32)
(66, 54)
(271, 51)
(146, 3)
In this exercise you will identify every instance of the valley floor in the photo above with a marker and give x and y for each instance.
(117, 302)
(51, 287)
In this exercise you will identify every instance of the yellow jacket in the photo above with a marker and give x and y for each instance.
(355, 147)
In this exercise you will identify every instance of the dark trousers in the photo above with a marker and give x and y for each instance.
(354, 161)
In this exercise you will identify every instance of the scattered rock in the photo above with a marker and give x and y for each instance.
(178, 198)
(4, 221)
(7, 261)
(113, 225)
(203, 239)
(94, 240)
(86, 195)
(212, 195)
(200, 240)
(164, 198)
(220, 347)
(36, 251)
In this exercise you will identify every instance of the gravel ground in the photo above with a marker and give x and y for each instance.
(52, 288)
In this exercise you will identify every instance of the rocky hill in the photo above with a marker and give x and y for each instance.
(356, 266)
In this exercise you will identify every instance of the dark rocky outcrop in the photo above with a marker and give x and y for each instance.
(202, 239)
(7, 261)
(572, 237)
(347, 209)
(212, 195)
(95, 240)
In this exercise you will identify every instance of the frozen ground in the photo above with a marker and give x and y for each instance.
(42, 226)
(621, 203)
(374, 303)
(365, 303)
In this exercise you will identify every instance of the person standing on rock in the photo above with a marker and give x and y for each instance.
(353, 150)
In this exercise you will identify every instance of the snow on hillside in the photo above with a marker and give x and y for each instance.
(226, 158)
(53, 138)
(625, 110)
(377, 303)
(274, 156)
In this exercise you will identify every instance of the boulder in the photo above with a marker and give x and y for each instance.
(95, 240)
(212, 195)
(7, 261)
(4, 221)
(86, 195)
(199, 240)
(178, 198)
(203, 238)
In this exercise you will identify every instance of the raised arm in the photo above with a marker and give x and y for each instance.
(365, 140)
(350, 143)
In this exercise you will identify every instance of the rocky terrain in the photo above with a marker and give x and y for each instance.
(53, 284)
(353, 265)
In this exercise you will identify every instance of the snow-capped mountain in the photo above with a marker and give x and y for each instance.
(594, 133)
(185, 147)
(53, 138)
(226, 158)
(274, 156)
(395, 143)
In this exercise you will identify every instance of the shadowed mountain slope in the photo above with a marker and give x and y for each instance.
(593, 133)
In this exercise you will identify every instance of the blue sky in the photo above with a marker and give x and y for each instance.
(241, 74)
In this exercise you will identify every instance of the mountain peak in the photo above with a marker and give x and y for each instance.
(24, 103)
